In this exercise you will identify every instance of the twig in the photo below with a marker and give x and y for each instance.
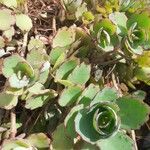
(54, 25)
(24, 45)
(13, 129)
(134, 139)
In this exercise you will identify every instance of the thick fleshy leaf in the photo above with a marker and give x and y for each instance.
(39, 100)
(133, 112)
(39, 140)
(11, 4)
(36, 88)
(25, 68)
(16, 82)
(106, 25)
(56, 53)
(8, 101)
(72, 6)
(82, 145)
(66, 68)
(69, 96)
(80, 75)
(69, 121)
(87, 17)
(144, 59)
(24, 22)
(9, 33)
(98, 122)
(106, 95)
(60, 60)
(143, 20)
(88, 94)
(7, 19)
(119, 19)
(35, 44)
(61, 142)
(18, 144)
(10, 63)
(142, 74)
(37, 58)
(64, 37)
(117, 142)
(80, 10)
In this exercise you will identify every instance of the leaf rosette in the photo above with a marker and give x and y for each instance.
(104, 33)
(135, 39)
(99, 122)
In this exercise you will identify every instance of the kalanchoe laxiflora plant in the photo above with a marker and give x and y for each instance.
(58, 83)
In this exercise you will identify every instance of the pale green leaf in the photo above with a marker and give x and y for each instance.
(39, 140)
(106, 95)
(61, 141)
(69, 96)
(10, 63)
(7, 19)
(118, 142)
(8, 101)
(24, 22)
(64, 37)
(80, 75)
(66, 68)
(133, 112)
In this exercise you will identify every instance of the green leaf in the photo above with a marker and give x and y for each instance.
(80, 10)
(8, 101)
(35, 44)
(24, 22)
(133, 112)
(117, 142)
(82, 145)
(17, 144)
(119, 19)
(14, 91)
(61, 142)
(64, 37)
(80, 75)
(36, 88)
(39, 140)
(10, 63)
(9, 33)
(10, 3)
(106, 95)
(107, 25)
(66, 68)
(7, 19)
(88, 94)
(143, 20)
(25, 68)
(87, 17)
(16, 82)
(37, 101)
(56, 53)
(69, 96)
(37, 58)
(60, 60)
(143, 60)
(142, 74)
(69, 121)
(98, 122)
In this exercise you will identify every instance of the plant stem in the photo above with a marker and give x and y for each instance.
(134, 139)
(13, 129)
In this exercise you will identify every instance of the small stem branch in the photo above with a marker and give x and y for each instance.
(134, 139)
(13, 129)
